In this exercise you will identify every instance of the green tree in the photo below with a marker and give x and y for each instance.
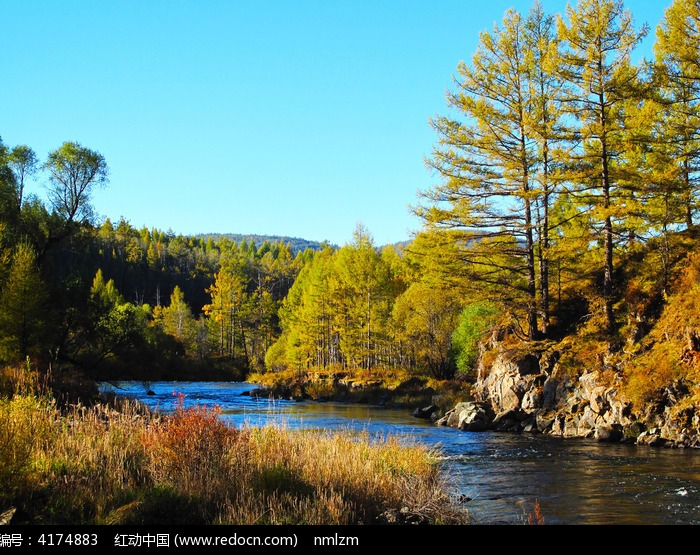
(226, 312)
(74, 172)
(23, 162)
(22, 306)
(177, 320)
(474, 322)
(425, 316)
(363, 279)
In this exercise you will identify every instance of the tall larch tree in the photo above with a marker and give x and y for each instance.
(489, 159)
(598, 38)
(544, 125)
(677, 68)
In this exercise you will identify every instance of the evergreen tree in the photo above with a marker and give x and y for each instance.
(22, 306)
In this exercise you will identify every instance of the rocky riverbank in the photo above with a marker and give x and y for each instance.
(532, 393)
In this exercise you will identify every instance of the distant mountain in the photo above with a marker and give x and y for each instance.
(296, 244)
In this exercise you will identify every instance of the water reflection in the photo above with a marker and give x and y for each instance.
(575, 481)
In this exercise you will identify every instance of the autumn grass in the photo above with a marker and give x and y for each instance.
(107, 465)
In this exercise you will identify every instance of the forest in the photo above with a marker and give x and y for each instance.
(565, 205)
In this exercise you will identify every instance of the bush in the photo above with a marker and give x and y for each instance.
(474, 322)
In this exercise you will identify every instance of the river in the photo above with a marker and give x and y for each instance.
(575, 481)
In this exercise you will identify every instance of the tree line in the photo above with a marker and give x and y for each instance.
(110, 299)
(560, 161)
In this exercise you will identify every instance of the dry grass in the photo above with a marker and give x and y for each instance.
(671, 351)
(100, 465)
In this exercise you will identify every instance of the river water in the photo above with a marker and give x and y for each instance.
(575, 481)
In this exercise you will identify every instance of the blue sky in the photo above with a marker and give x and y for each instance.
(296, 117)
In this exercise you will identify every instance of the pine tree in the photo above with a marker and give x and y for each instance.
(177, 319)
(21, 306)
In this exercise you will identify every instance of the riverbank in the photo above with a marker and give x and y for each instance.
(535, 389)
(119, 463)
(392, 388)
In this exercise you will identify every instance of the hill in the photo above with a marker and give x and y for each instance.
(296, 243)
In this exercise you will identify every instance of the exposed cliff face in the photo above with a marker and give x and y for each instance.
(531, 393)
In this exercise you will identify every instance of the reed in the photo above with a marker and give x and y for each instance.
(123, 465)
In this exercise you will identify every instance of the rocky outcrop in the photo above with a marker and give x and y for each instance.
(530, 393)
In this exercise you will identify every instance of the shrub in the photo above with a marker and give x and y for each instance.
(474, 322)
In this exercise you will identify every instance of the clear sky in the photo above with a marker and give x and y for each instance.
(284, 117)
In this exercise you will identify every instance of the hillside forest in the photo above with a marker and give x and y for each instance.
(564, 211)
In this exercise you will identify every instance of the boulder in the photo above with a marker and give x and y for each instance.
(598, 401)
(469, 416)
(509, 420)
(529, 426)
(632, 431)
(557, 427)
(651, 438)
(425, 413)
(608, 434)
(503, 387)
(554, 392)
(443, 421)
(532, 399)
(571, 427)
(588, 422)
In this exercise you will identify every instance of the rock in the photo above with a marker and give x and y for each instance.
(503, 387)
(150, 392)
(598, 402)
(651, 438)
(532, 399)
(571, 428)
(508, 420)
(424, 412)
(257, 392)
(529, 364)
(608, 433)
(544, 422)
(443, 421)
(632, 431)
(551, 393)
(588, 422)
(588, 382)
(453, 415)
(529, 426)
(469, 416)
(558, 425)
